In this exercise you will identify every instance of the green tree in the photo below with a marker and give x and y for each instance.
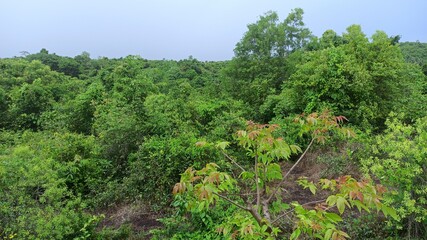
(258, 68)
(330, 39)
(359, 79)
(27, 104)
(36, 197)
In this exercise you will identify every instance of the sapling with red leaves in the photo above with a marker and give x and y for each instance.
(256, 190)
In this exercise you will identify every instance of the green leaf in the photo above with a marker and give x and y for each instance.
(264, 228)
(295, 148)
(273, 172)
(312, 188)
(295, 234)
(247, 175)
(201, 206)
(389, 211)
(333, 217)
(360, 205)
(278, 206)
(222, 145)
(344, 234)
(226, 230)
(306, 184)
(341, 202)
(328, 234)
(331, 200)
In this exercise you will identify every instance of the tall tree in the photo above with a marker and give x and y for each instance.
(257, 69)
(361, 79)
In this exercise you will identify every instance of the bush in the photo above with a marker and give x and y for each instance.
(399, 161)
(157, 165)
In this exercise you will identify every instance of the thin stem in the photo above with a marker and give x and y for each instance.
(232, 202)
(290, 170)
(241, 194)
(258, 191)
(233, 161)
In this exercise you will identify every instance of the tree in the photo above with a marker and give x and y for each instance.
(258, 68)
(256, 191)
(27, 104)
(360, 79)
(51, 60)
(37, 179)
(330, 39)
(81, 109)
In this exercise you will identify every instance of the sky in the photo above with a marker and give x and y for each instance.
(204, 29)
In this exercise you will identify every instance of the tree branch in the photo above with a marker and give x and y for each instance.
(232, 202)
(266, 211)
(290, 170)
(258, 191)
(233, 161)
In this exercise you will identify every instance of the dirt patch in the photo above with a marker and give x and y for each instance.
(314, 170)
(139, 217)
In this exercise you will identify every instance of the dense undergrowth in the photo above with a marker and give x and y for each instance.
(81, 137)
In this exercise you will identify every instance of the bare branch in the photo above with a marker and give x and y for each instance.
(241, 194)
(233, 161)
(258, 191)
(290, 170)
(232, 202)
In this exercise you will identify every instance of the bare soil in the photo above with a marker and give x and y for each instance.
(140, 218)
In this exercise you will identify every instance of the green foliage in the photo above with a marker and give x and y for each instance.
(359, 79)
(3, 107)
(46, 180)
(367, 226)
(415, 52)
(258, 68)
(119, 131)
(35, 200)
(80, 66)
(399, 162)
(196, 224)
(30, 90)
(27, 104)
(158, 163)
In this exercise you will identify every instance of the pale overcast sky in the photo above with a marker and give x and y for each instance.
(173, 29)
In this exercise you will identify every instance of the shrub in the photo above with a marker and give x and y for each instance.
(399, 161)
